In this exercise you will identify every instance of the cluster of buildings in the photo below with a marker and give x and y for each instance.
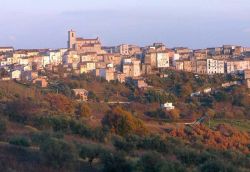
(120, 63)
(218, 60)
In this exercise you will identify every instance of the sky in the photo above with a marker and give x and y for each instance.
(190, 23)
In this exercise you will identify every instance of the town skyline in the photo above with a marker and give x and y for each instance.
(120, 43)
(191, 24)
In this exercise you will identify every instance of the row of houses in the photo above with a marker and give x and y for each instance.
(213, 66)
(120, 62)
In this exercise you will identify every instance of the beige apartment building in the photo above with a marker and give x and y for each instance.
(237, 66)
(131, 67)
(247, 74)
(123, 49)
(86, 57)
(185, 65)
(150, 58)
(86, 67)
(201, 66)
(200, 54)
(114, 59)
(179, 65)
(134, 49)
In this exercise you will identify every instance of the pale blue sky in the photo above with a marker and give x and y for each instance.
(192, 23)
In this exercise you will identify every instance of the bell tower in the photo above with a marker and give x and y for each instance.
(72, 39)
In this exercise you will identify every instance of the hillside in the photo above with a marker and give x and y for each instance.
(50, 130)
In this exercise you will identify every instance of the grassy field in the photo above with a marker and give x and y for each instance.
(241, 124)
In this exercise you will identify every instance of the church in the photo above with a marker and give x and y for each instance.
(84, 46)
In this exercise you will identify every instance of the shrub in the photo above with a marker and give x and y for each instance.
(61, 103)
(20, 141)
(174, 114)
(123, 122)
(21, 110)
(92, 152)
(126, 144)
(39, 137)
(154, 162)
(58, 153)
(84, 110)
(215, 166)
(116, 162)
(2, 126)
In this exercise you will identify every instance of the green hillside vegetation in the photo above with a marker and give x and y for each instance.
(49, 130)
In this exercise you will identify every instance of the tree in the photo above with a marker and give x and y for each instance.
(22, 109)
(123, 122)
(92, 152)
(2, 126)
(84, 110)
(220, 96)
(57, 153)
(154, 162)
(174, 114)
(116, 162)
(59, 102)
(92, 96)
(215, 166)
(20, 141)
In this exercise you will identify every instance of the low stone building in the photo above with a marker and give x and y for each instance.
(41, 82)
(140, 83)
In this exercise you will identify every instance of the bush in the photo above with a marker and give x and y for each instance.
(20, 141)
(84, 111)
(116, 162)
(58, 153)
(217, 166)
(60, 103)
(39, 137)
(155, 143)
(21, 110)
(92, 152)
(154, 162)
(123, 122)
(174, 114)
(2, 126)
(126, 144)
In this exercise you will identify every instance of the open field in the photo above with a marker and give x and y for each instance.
(241, 124)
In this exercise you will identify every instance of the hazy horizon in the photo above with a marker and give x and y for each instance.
(195, 24)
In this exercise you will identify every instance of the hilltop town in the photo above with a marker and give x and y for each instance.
(125, 108)
(122, 63)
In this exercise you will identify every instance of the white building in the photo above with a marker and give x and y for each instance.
(167, 106)
(175, 58)
(16, 74)
(107, 73)
(162, 60)
(215, 66)
(45, 60)
(55, 57)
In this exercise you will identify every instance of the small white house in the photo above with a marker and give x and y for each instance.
(207, 90)
(167, 106)
(16, 74)
(195, 94)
